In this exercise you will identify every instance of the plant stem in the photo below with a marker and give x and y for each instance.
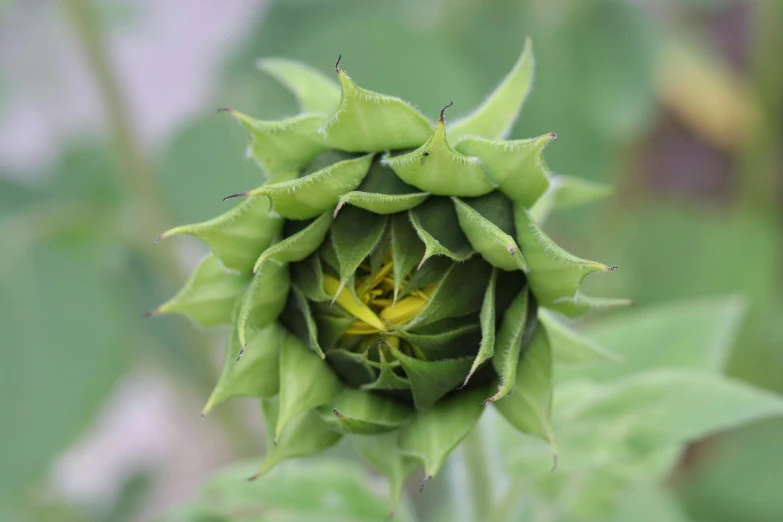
(478, 474)
(143, 192)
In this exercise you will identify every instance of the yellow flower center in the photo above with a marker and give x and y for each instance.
(373, 305)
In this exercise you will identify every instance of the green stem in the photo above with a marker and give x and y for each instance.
(478, 474)
(143, 191)
(760, 158)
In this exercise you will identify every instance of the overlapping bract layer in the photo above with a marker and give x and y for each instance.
(386, 264)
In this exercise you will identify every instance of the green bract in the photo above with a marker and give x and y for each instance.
(388, 280)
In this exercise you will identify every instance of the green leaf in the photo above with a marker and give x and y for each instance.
(495, 117)
(431, 380)
(382, 192)
(299, 245)
(434, 222)
(460, 292)
(569, 347)
(555, 275)
(677, 406)
(316, 193)
(496, 246)
(355, 234)
(68, 337)
(308, 276)
(283, 145)
(369, 121)
(238, 236)
(438, 169)
(314, 91)
(305, 435)
(487, 319)
(209, 297)
(529, 405)
(317, 490)
(364, 413)
(264, 299)
(516, 167)
(407, 250)
(433, 434)
(257, 374)
(298, 317)
(567, 192)
(306, 382)
(509, 343)
(382, 453)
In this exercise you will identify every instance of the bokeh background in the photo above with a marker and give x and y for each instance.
(109, 135)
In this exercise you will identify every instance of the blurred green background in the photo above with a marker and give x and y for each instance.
(108, 136)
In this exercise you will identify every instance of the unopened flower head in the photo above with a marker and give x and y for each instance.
(386, 280)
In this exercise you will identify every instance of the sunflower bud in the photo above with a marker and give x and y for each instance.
(386, 281)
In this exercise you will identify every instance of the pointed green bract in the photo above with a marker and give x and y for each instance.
(298, 245)
(355, 234)
(432, 435)
(581, 304)
(354, 368)
(367, 121)
(316, 193)
(528, 406)
(495, 117)
(434, 223)
(438, 169)
(383, 203)
(264, 299)
(441, 340)
(495, 246)
(487, 318)
(283, 145)
(431, 380)
(382, 453)
(306, 435)
(517, 167)
(407, 250)
(388, 379)
(459, 293)
(237, 236)
(209, 296)
(308, 276)
(300, 320)
(569, 347)
(508, 344)
(555, 275)
(363, 413)
(257, 374)
(305, 382)
(382, 192)
(315, 92)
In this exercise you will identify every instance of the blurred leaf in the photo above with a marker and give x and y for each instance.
(737, 476)
(315, 491)
(677, 406)
(66, 342)
(692, 334)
